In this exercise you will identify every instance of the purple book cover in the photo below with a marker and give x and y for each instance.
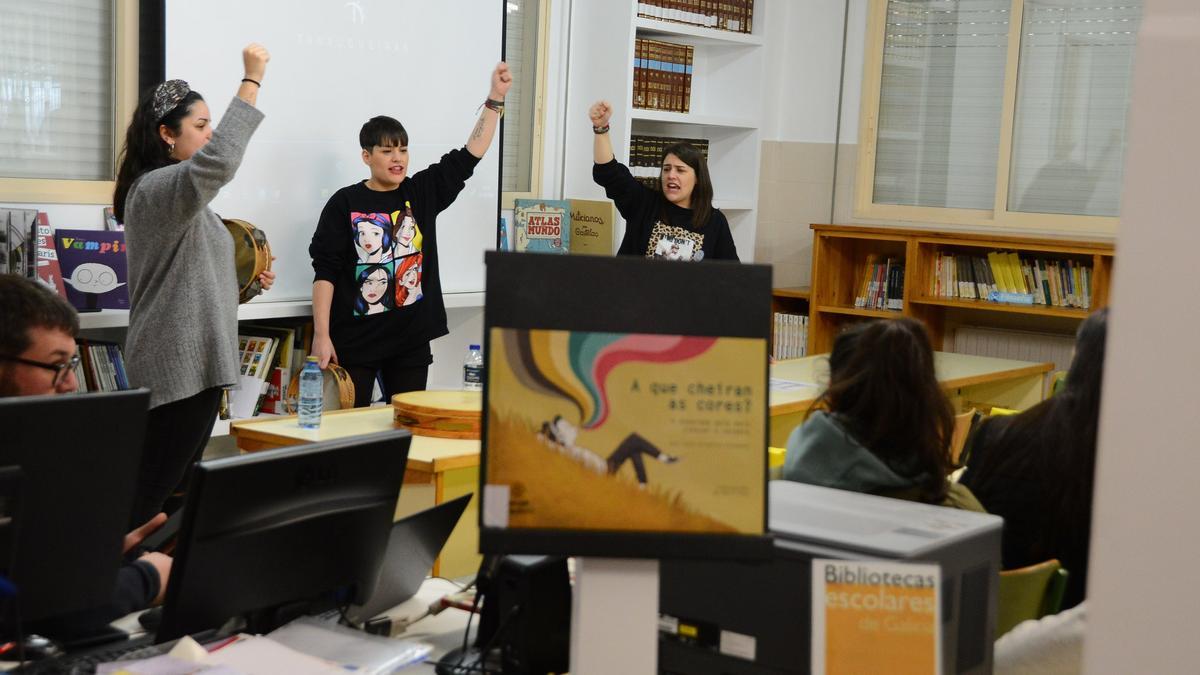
(93, 268)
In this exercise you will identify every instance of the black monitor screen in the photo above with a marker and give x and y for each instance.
(76, 459)
(274, 532)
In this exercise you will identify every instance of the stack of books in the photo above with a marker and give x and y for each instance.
(789, 338)
(662, 75)
(1004, 276)
(882, 284)
(101, 367)
(731, 15)
(645, 155)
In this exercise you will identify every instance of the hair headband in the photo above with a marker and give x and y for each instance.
(168, 95)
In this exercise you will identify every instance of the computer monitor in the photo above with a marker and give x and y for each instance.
(272, 535)
(625, 407)
(77, 458)
(768, 604)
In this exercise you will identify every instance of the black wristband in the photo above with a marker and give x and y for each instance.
(246, 79)
(600, 130)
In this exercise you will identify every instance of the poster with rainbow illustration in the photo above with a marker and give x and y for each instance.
(625, 432)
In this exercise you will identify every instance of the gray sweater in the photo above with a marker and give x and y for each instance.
(182, 284)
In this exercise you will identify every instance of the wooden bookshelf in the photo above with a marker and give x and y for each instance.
(839, 258)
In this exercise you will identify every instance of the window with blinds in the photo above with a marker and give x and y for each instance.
(1073, 87)
(940, 102)
(57, 89)
(956, 129)
(521, 50)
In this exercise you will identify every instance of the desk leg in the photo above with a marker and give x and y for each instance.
(1018, 393)
(460, 557)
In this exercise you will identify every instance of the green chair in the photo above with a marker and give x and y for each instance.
(1058, 381)
(1029, 593)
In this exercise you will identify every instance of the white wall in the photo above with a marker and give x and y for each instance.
(804, 50)
(804, 61)
(1142, 587)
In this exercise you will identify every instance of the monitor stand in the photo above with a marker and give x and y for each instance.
(614, 616)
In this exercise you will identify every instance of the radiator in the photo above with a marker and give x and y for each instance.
(1015, 344)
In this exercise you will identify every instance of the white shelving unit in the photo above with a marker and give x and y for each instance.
(726, 102)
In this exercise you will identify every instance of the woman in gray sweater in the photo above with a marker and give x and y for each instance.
(183, 291)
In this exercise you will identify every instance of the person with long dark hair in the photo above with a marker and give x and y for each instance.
(183, 291)
(676, 221)
(883, 424)
(1035, 469)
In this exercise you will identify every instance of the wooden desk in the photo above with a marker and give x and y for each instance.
(1005, 382)
(439, 469)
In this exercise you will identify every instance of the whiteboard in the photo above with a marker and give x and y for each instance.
(334, 65)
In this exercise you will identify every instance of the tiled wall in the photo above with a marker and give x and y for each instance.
(795, 190)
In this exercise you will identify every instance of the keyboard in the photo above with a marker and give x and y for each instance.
(85, 662)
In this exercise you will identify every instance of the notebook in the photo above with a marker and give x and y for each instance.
(412, 547)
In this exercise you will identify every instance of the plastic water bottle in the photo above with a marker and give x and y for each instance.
(473, 370)
(312, 398)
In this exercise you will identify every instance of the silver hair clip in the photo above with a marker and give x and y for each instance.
(168, 95)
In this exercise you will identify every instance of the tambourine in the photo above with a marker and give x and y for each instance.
(442, 414)
(337, 390)
(251, 256)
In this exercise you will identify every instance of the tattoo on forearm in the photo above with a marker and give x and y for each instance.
(478, 132)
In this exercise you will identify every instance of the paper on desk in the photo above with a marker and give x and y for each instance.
(779, 384)
(263, 656)
(163, 664)
(353, 649)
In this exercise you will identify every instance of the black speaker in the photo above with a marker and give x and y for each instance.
(531, 601)
(525, 623)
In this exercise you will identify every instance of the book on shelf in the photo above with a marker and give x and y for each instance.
(592, 226)
(542, 225)
(16, 228)
(93, 268)
(45, 255)
(729, 15)
(280, 368)
(1009, 277)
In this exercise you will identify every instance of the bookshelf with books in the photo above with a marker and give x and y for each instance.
(951, 279)
(719, 101)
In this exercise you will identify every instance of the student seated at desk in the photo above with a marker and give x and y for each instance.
(1035, 469)
(38, 357)
(883, 425)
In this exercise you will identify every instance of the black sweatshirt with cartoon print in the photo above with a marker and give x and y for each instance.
(379, 250)
(655, 228)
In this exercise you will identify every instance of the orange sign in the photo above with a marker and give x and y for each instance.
(875, 617)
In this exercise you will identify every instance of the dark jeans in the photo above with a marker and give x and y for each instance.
(176, 434)
(631, 449)
(397, 379)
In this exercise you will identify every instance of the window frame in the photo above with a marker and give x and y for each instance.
(537, 139)
(999, 216)
(124, 81)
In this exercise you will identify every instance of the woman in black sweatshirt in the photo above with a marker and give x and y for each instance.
(675, 222)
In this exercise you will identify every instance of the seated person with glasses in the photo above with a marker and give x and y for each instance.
(38, 356)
